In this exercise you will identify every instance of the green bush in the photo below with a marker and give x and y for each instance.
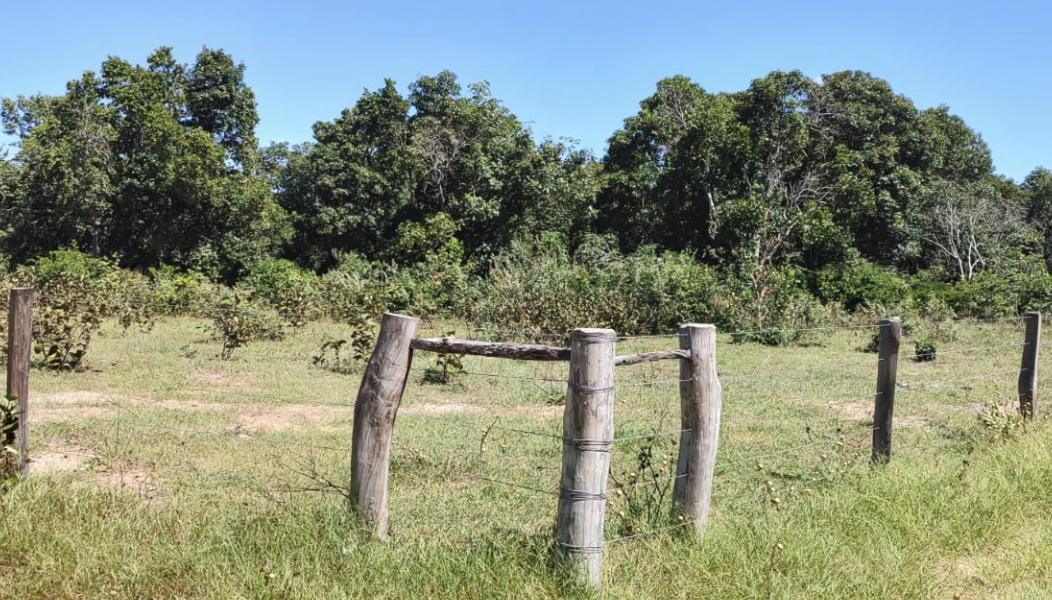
(775, 307)
(178, 292)
(354, 291)
(858, 283)
(987, 296)
(426, 274)
(289, 290)
(537, 286)
(237, 320)
(73, 293)
(924, 351)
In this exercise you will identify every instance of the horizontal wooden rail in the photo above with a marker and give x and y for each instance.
(645, 357)
(452, 345)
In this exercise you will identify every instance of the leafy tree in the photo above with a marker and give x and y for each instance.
(67, 164)
(218, 101)
(1038, 188)
(393, 159)
(669, 165)
(132, 160)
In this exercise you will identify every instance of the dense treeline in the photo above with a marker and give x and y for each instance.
(781, 203)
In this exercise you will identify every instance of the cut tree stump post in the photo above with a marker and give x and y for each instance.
(884, 406)
(19, 350)
(1028, 371)
(701, 401)
(588, 433)
(374, 416)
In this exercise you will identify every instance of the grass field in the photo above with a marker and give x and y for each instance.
(164, 472)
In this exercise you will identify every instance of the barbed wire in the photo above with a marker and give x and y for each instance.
(800, 329)
(656, 382)
(963, 352)
(837, 440)
(909, 385)
(758, 374)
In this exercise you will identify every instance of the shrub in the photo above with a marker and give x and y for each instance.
(859, 283)
(236, 321)
(777, 311)
(924, 351)
(73, 293)
(9, 452)
(289, 290)
(987, 296)
(179, 292)
(426, 274)
(536, 286)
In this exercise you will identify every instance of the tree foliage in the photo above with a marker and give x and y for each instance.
(131, 159)
(393, 159)
(796, 187)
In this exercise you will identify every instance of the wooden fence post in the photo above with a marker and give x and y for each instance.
(1028, 371)
(701, 401)
(884, 407)
(588, 433)
(374, 416)
(19, 352)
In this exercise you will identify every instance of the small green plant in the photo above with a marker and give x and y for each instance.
(643, 497)
(334, 356)
(445, 369)
(872, 346)
(289, 290)
(9, 453)
(924, 351)
(62, 338)
(236, 321)
(1000, 420)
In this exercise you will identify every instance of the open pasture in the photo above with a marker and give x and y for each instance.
(163, 471)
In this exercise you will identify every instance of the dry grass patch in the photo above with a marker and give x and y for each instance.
(290, 417)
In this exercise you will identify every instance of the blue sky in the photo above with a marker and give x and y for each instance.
(569, 69)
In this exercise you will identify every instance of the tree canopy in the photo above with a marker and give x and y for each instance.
(158, 163)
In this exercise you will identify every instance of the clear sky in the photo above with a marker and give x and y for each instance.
(568, 69)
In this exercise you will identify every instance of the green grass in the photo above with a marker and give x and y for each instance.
(164, 472)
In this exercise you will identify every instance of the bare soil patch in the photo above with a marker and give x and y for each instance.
(73, 458)
(66, 406)
(288, 417)
(217, 379)
(959, 580)
(440, 409)
(861, 411)
(852, 410)
(77, 459)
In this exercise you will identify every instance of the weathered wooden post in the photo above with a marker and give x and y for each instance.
(374, 416)
(884, 406)
(1028, 371)
(19, 352)
(701, 402)
(588, 433)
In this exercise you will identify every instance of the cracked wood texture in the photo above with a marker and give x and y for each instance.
(19, 349)
(588, 433)
(374, 416)
(701, 404)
